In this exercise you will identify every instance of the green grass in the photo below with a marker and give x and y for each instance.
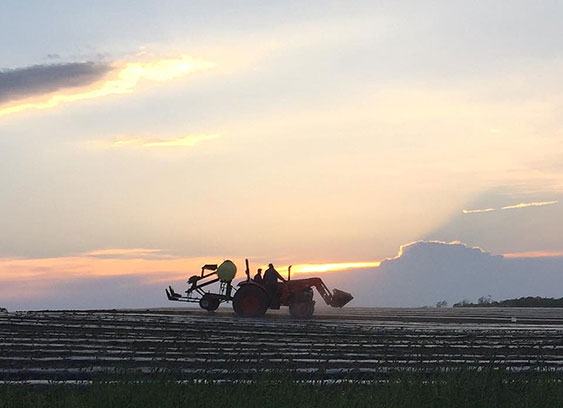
(460, 390)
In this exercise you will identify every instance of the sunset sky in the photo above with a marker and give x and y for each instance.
(145, 138)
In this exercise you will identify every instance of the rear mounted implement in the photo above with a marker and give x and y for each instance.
(210, 274)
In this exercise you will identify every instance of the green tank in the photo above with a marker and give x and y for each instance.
(227, 271)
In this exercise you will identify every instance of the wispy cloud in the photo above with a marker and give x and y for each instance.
(535, 254)
(47, 274)
(127, 253)
(532, 204)
(20, 83)
(122, 251)
(478, 211)
(512, 207)
(149, 142)
(47, 87)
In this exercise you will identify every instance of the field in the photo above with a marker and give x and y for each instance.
(352, 344)
(424, 357)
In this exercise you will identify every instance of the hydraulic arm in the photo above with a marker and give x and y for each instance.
(337, 298)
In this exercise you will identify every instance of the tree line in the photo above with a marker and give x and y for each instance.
(529, 301)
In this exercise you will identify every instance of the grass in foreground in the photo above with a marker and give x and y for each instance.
(460, 390)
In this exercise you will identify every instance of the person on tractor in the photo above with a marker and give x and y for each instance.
(258, 277)
(270, 281)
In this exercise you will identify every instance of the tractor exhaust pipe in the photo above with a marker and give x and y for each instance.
(247, 271)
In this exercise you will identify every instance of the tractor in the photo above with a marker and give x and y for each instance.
(252, 298)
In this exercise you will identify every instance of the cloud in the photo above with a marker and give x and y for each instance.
(534, 254)
(532, 204)
(35, 80)
(512, 207)
(477, 211)
(127, 253)
(424, 273)
(148, 142)
(118, 274)
(47, 87)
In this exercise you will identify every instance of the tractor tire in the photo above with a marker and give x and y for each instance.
(302, 309)
(250, 301)
(209, 303)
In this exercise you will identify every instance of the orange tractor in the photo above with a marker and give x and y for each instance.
(253, 298)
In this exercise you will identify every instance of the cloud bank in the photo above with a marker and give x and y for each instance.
(427, 272)
(422, 274)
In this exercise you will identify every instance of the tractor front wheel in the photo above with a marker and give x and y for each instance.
(250, 301)
(302, 309)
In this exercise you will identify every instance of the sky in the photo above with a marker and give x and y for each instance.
(142, 139)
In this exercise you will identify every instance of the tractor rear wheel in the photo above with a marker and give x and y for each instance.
(209, 303)
(302, 309)
(250, 301)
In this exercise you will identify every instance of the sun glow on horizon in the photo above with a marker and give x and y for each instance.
(309, 268)
(152, 266)
(123, 79)
(145, 265)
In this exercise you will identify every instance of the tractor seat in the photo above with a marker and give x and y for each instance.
(193, 279)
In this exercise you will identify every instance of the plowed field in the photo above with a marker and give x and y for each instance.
(338, 344)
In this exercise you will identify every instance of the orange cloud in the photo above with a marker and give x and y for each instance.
(149, 266)
(124, 79)
(47, 274)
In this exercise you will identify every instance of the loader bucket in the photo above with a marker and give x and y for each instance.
(340, 298)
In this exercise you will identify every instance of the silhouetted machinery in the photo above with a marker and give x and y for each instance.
(252, 298)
